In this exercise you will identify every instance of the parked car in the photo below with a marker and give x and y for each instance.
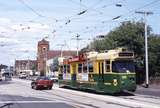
(42, 82)
(7, 76)
(0, 76)
(53, 78)
(22, 75)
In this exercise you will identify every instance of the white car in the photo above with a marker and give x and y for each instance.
(53, 78)
(0, 77)
(23, 75)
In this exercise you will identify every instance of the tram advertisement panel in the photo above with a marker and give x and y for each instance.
(82, 77)
(67, 76)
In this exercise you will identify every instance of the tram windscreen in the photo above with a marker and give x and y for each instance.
(123, 66)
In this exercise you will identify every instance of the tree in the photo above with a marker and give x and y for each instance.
(3, 66)
(131, 35)
(154, 55)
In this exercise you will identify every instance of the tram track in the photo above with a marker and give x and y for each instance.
(92, 98)
(129, 98)
(64, 98)
(70, 100)
(137, 96)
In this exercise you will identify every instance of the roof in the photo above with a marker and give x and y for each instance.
(17, 62)
(57, 53)
(43, 41)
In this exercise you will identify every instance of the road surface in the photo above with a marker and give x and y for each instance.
(19, 94)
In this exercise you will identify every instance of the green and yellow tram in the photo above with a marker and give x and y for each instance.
(111, 72)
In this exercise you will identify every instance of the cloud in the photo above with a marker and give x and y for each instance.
(30, 27)
(5, 20)
(3, 29)
(8, 41)
(25, 49)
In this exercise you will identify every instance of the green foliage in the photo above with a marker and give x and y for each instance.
(34, 67)
(131, 35)
(54, 65)
(3, 66)
(154, 54)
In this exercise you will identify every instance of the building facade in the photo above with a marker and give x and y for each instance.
(27, 66)
(46, 57)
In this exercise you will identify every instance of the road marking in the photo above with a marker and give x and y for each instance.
(110, 99)
(4, 102)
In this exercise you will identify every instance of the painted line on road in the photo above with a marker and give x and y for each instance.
(110, 99)
(4, 102)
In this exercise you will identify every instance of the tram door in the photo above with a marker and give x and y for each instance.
(101, 71)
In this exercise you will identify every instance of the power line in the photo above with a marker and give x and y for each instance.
(131, 11)
(146, 5)
(34, 11)
(26, 5)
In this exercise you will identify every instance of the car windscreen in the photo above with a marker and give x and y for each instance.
(43, 78)
(123, 66)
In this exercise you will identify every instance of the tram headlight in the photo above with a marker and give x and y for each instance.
(115, 82)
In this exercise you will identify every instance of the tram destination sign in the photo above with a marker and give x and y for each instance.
(130, 54)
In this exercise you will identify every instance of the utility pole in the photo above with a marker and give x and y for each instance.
(77, 39)
(62, 45)
(145, 13)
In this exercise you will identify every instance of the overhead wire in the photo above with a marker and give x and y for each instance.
(144, 6)
(133, 10)
(34, 11)
(91, 8)
(30, 8)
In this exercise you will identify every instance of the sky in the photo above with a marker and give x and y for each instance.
(25, 22)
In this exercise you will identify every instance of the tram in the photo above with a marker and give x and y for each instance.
(112, 71)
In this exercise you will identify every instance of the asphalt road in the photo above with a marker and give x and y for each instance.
(19, 94)
(153, 90)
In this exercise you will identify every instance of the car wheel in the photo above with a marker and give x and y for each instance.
(32, 86)
(35, 87)
(49, 88)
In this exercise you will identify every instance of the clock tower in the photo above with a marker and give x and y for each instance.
(42, 52)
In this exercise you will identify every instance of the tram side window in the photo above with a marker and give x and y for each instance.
(68, 68)
(107, 66)
(64, 69)
(79, 68)
(90, 67)
(61, 69)
(85, 67)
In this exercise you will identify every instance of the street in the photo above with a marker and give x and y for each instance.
(20, 95)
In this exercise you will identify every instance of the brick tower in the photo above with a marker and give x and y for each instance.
(42, 50)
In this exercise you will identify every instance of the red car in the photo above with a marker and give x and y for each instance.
(42, 82)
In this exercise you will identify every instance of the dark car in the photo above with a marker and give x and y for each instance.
(42, 82)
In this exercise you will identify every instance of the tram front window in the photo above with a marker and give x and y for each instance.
(123, 66)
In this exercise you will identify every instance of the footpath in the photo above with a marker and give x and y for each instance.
(152, 90)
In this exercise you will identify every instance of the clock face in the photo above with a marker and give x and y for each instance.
(44, 49)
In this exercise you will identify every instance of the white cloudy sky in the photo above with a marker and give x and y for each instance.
(24, 22)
